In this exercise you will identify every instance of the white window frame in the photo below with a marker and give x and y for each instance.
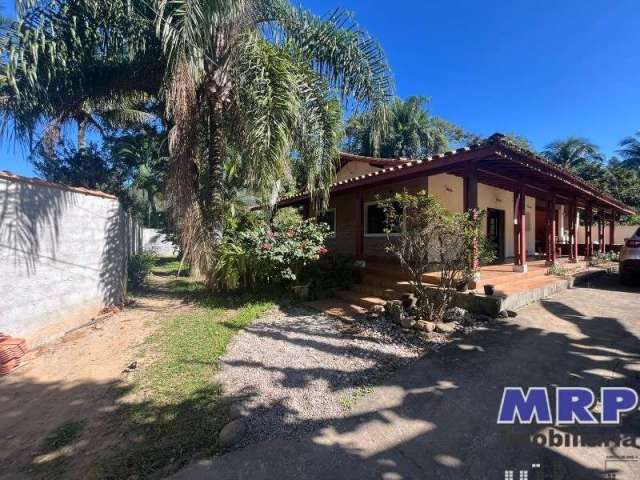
(335, 221)
(366, 223)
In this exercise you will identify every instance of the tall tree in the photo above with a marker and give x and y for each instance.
(630, 151)
(254, 78)
(410, 131)
(572, 153)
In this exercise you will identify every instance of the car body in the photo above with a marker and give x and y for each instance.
(630, 258)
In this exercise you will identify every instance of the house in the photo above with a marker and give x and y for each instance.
(534, 208)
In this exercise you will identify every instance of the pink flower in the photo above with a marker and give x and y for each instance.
(266, 246)
(322, 250)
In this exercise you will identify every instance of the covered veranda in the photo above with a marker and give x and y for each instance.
(500, 164)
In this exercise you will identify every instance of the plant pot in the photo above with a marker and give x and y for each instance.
(462, 286)
(489, 290)
(300, 292)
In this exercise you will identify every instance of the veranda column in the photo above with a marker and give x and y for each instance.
(520, 233)
(601, 245)
(573, 232)
(360, 261)
(612, 230)
(550, 233)
(470, 204)
(587, 232)
(554, 229)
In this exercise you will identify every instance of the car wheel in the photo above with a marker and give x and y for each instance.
(624, 277)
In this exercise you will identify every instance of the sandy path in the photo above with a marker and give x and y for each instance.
(76, 378)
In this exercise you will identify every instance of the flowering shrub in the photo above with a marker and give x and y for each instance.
(281, 256)
(274, 254)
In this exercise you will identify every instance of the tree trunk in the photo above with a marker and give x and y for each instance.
(82, 130)
(212, 201)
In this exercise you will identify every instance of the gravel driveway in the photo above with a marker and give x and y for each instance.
(294, 369)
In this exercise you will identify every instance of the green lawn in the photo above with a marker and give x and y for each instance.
(180, 411)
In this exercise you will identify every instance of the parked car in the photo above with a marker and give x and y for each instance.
(630, 258)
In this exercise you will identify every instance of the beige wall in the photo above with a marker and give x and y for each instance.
(447, 188)
(620, 233)
(354, 169)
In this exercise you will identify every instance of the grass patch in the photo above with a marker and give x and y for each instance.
(181, 411)
(56, 448)
(348, 401)
(169, 266)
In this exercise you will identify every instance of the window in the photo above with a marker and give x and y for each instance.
(329, 217)
(376, 221)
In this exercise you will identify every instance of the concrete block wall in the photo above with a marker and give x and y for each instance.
(63, 254)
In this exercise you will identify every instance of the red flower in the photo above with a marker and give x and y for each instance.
(322, 250)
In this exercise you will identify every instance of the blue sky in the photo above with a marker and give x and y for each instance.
(542, 69)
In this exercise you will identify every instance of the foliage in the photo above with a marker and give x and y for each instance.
(431, 238)
(630, 151)
(334, 271)
(572, 153)
(254, 81)
(558, 270)
(138, 269)
(257, 254)
(409, 131)
(599, 258)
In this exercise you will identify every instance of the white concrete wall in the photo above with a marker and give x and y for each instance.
(156, 241)
(63, 257)
(449, 190)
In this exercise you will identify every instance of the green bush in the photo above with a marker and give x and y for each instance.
(333, 272)
(139, 267)
(270, 255)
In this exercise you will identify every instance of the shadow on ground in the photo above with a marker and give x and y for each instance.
(433, 419)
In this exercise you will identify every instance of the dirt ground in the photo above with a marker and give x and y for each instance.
(59, 399)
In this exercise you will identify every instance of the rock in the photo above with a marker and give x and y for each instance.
(409, 301)
(407, 322)
(232, 433)
(502, 314)
(512, 314)
(482, 318)
(445, 327)
(425, 326)
(455, 314)
(131, 367)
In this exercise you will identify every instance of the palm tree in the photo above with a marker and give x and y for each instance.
(572, 153)
(630, 151)
(409, 132)
(256, 79)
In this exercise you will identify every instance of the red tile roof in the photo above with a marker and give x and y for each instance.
(11, 177)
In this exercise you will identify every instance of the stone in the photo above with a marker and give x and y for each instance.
(445, 327)
(407, 322)
(512, 314)
(455, 314)
(409, 301)
(232, 433)
(502, 314)
(479, 317)
(425, 326)
(376, 311)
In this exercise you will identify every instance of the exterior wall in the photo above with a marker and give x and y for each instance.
(156, 241)
(354, 169)
(620, 233)
(63, 256)
(447, 188)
